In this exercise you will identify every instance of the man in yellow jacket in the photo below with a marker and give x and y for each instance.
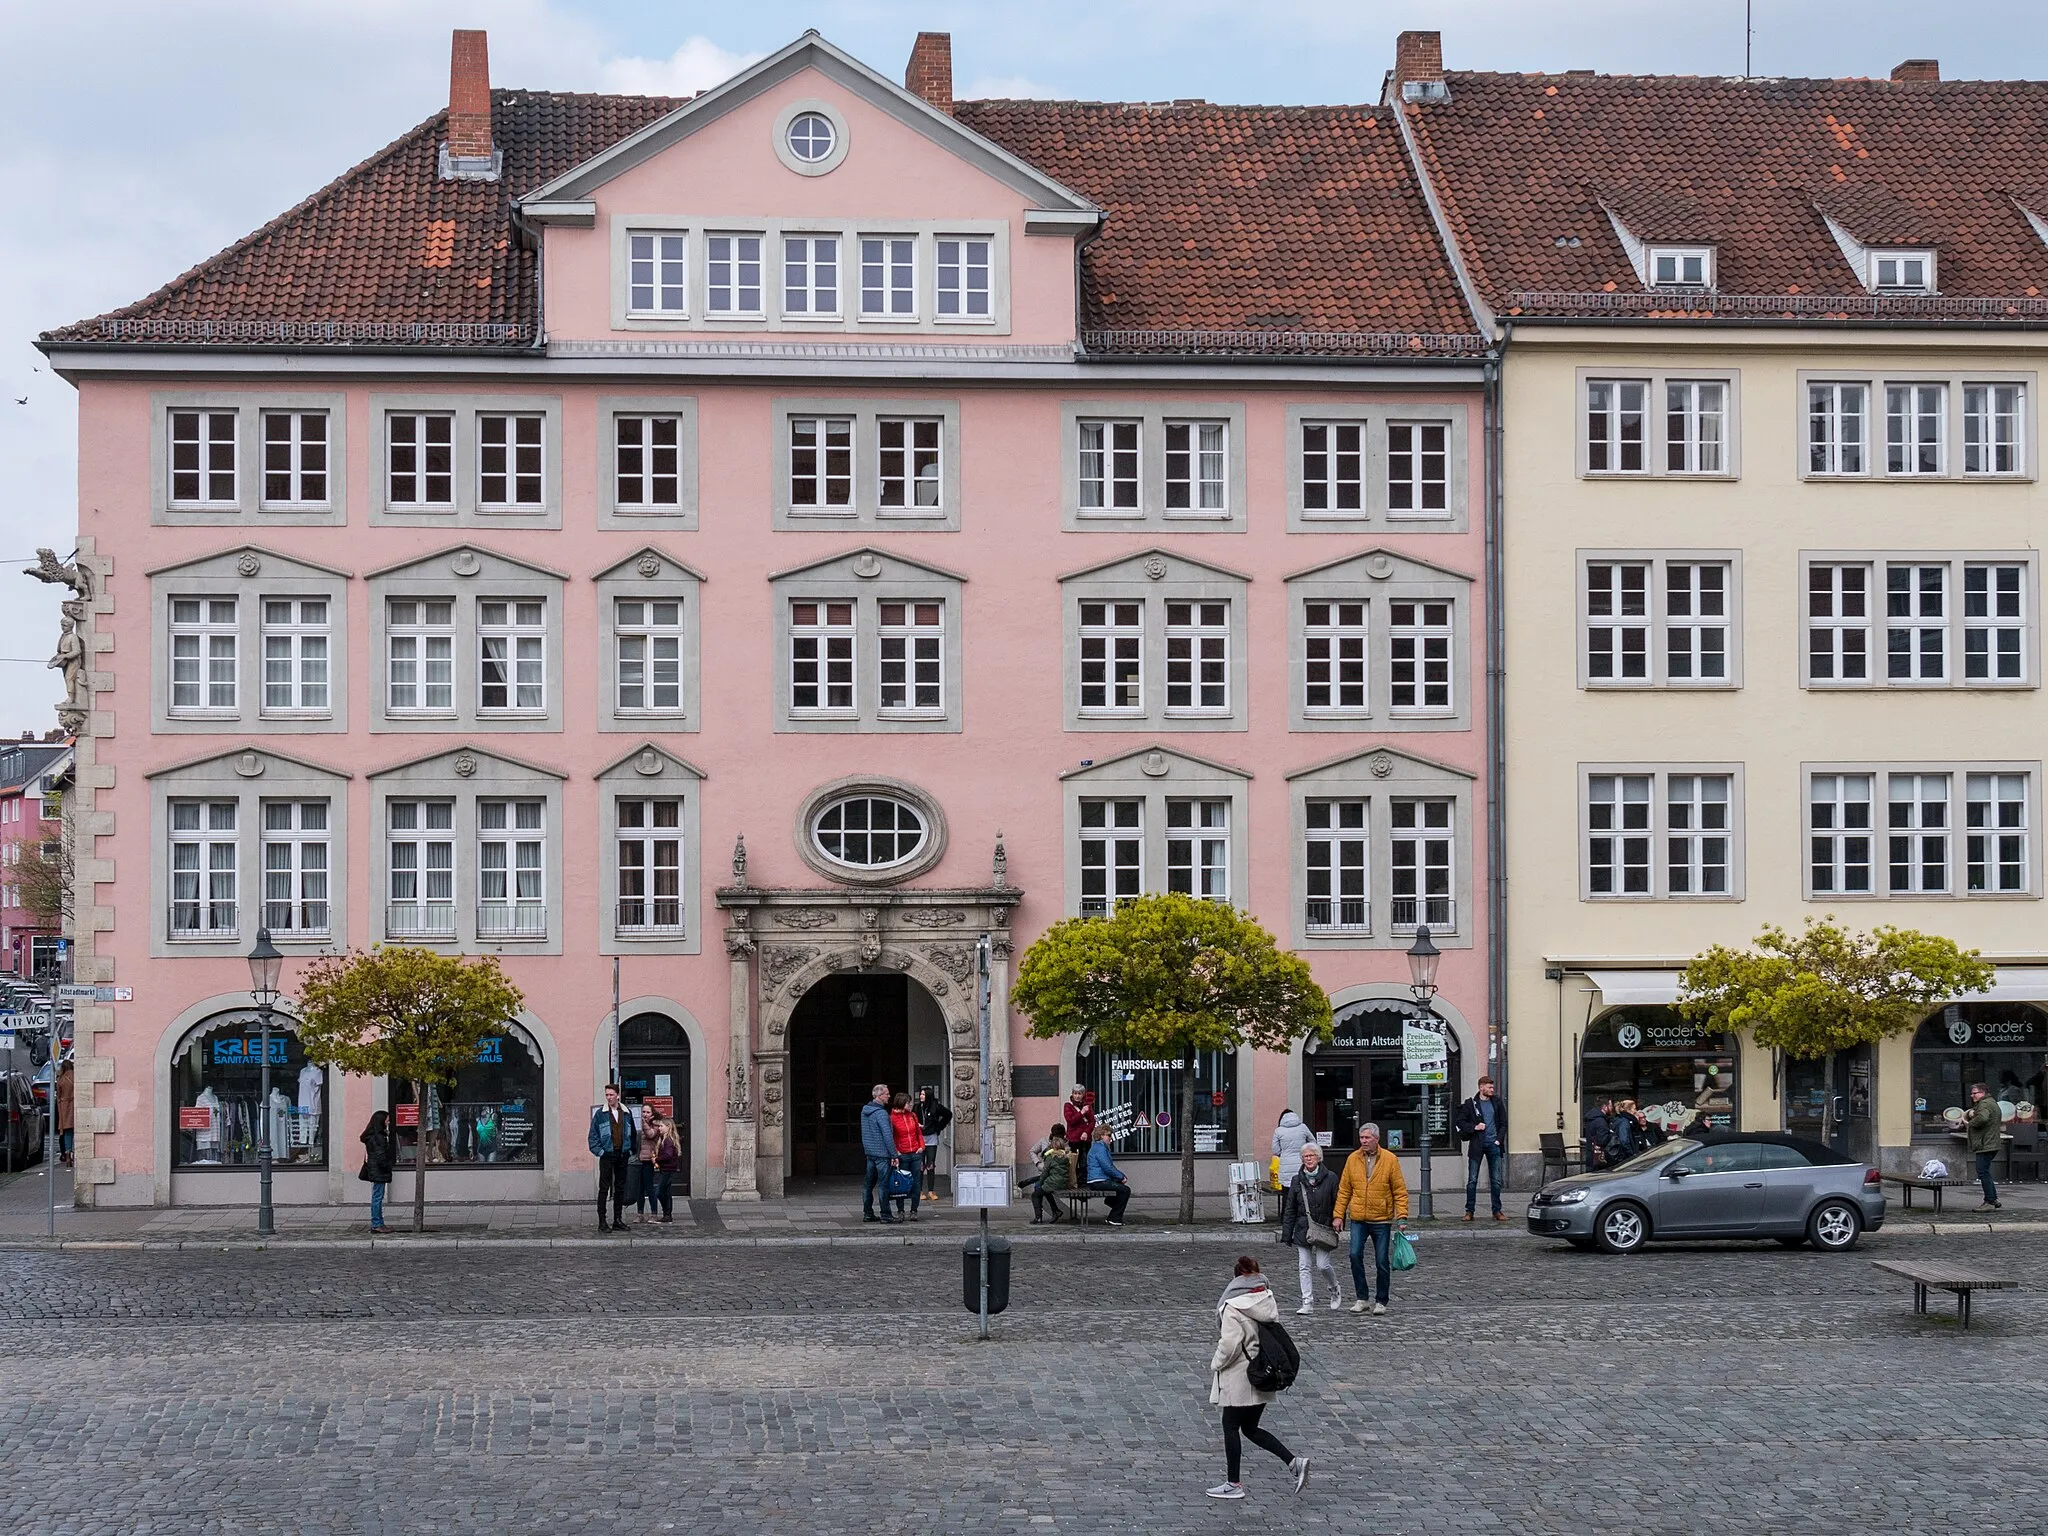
(1371, 1197)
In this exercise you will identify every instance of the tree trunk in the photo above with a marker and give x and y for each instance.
(1187, 1136)
(419, 1160)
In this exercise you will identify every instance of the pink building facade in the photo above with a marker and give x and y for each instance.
(774, 554)
(31, 828)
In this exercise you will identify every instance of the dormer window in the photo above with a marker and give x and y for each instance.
(1681, 266)
(1902, 271)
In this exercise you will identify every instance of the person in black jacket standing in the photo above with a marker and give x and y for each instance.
(932, 1118)
(1310, 1199)
(379, 1153)
(1481, 1123)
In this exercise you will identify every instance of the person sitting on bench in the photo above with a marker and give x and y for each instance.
(1108, 1180)
(1055, 1174)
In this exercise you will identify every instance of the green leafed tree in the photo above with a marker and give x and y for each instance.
(1828, 988)
(407, 1014)
(1164, 977)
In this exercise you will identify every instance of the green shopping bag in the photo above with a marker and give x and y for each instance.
(1401, 1252)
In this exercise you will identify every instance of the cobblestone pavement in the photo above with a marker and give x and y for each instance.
(1514, 1387)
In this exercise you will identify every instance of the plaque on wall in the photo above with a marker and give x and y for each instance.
(1034, 1082)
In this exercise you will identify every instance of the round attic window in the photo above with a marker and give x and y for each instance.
(870, 831)
(811, 137)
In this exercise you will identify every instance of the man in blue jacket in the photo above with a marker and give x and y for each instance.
(1105, 1176)
(611, 1143)
(878, 1141)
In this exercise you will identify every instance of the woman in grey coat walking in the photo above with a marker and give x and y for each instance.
(1247, 1302)
(1309, 1205)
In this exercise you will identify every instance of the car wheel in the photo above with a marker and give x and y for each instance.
(1834, 1227)
(1624, 1227)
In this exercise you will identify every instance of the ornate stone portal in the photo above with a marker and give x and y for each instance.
(781, 942)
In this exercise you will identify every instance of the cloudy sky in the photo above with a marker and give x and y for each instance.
(141, 137)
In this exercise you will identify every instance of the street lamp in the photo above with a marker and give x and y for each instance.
(1423, 956)
(266, 963)
(857, 1004)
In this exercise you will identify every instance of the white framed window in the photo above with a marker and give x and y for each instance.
(732, 275)
(296, 641)
(1948, 622)
(821, 669)
(821, 462)
(296, 865)
(1197, 658)
(888, 277)
(1838, 623)
(1337, 883)
(509, 467)
(1695, 426)
(1197, 469)
(1917, 835)
(1420, 892)
(1995, 829)
(1697, 827)
(1418, 468)
(1198, 848)
(511, 653)
(1619, 833)
(811, 137)
(1916, 618)
(1332, 467)
(1994, 427)
(1419, 656)
(657, 273)
(965, 291)
(1112, 657)
(810, 276)
(1902, 271)
(294, 458)
(204, 869)
(1697, 615)
(1335, 676)
(206, 642)
(1837, 428)
(650, 865)
(648, 466)
(913, 649)
(1681, 266)
(648, 635)
(1108, 467)
(1112, 853)
(204, 459)
(420, 850)
(420, 460)
(1839, 833)
(1617, 621)
(1915, 419)
(511, 887)
(910, 473)
(1616, 426)
(1659, 833)
(420, 662)
(1994, 622)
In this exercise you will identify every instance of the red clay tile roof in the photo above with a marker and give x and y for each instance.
(1524, 163)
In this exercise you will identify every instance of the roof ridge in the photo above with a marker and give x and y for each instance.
(1188, 104)
(1540, 76)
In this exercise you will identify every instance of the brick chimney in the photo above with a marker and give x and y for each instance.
(930, 71)
(469, 154)
(1419, 66)
(1918, 69)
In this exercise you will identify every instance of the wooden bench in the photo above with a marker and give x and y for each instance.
(1909, 1182)
(1944, 1277)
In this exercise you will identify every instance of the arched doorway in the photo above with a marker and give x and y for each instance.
(654, 1073)
(1356, 1078)
(850, 1031)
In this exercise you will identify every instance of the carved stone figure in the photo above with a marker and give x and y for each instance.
(956, 960)
(778, 965)
(78, 577)
(70, 657)
(802, 917)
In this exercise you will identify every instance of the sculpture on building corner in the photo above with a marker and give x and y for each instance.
(71, 650)
(739, 860)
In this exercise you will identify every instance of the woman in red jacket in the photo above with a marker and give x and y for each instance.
(909, 1148)
(1080, 1114)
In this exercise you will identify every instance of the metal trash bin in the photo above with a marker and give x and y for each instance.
(998, 1274)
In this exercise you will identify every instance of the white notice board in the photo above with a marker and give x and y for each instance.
(981, 1188)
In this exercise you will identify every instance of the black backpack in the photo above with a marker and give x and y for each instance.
(1277, 1363)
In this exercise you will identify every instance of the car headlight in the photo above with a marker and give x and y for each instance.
(1567, 1197)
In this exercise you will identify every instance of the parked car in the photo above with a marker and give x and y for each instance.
(23, 1123)
(1725, 1184)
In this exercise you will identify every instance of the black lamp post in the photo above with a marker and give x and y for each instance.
(266, 964)
(1423, 956)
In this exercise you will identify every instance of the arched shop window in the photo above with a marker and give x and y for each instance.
(1671, 1067)
(1138, 1101)
(1355, 1079)
(492, 1115)
(217, 1106)
(2002, 1045)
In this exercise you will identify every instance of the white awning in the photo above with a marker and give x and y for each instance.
(2015, 984)
(1629, 989)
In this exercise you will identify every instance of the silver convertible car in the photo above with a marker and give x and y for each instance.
(1724, 1184)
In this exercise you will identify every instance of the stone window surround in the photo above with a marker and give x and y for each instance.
(793, 110)
(1157, 774)
(632, 578)
(249, 407)
(1153, 413)
(1376, 418)
(1655, 620)
(1660, 773)
(928, 854)
(466, 408)
(1655, 441)
(1875, 380)
(1382, 775)
(225, 574)
(489, 777)
(1958, 771)
(866, 513)
(868, 578)
(850, 231)
(250, 776)
(683, 516)
(1388, 577)
(1955, 560)
(648, 772)
(493, 576)
(1178, 579)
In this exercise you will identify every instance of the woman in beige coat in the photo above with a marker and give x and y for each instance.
(1247, 1302)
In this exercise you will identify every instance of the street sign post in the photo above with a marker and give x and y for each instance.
(1425, 1062)
(983, 1189)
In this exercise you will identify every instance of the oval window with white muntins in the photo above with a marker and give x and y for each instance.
(869, 832)
(811, 137)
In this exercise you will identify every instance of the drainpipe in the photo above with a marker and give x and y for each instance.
(1496, 734)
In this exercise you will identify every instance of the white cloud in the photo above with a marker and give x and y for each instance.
(696, 66)
(1006, 88)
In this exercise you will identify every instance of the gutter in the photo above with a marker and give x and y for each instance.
(1496, 722)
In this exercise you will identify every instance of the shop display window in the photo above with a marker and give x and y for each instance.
(1673, 1069)
(1355, 1079)
(491, 1116)
(1138, 1101)
(217, 1107)
(2002, 1045)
